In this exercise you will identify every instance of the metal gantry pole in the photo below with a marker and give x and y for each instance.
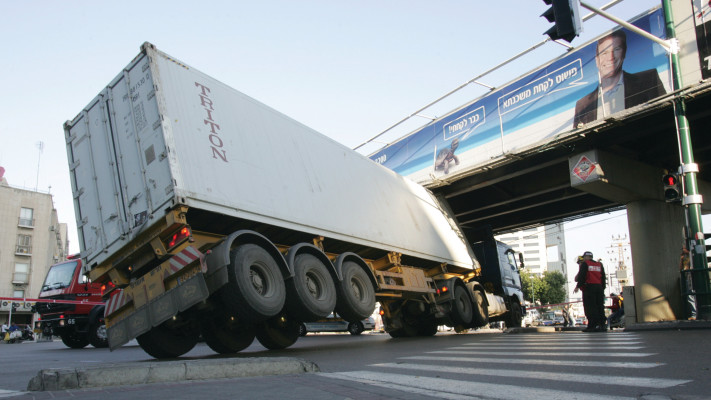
(692, 199)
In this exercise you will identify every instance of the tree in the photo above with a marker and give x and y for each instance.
(554, 287)
(532, 286)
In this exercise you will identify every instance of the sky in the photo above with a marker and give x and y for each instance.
(347, 69)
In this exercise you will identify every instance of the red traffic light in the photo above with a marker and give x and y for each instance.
(672, 188)
(670, 180)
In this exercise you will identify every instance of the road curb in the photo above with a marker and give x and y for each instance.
(137, 373)
(668, 325)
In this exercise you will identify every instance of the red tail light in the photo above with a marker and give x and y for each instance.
(107, 286)
(382, 312)
(179, 237)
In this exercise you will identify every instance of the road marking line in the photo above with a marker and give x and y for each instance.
(571, 363)
(456, 389)
(656, 383)
(538, 353)
(10, 393)
(561, 347)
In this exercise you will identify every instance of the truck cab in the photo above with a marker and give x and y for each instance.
(499, 273)
(77, 324)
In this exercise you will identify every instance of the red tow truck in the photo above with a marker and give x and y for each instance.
(76, 312)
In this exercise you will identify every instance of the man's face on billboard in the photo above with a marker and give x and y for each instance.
(610, 55)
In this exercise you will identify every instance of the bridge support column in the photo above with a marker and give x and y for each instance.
(656, 236)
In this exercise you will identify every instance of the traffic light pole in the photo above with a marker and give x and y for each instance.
(692, 199)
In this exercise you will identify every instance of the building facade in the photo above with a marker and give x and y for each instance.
(31, 240)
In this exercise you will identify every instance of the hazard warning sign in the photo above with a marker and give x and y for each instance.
(584, 168)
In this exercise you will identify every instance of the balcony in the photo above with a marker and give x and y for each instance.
(26, 222)
(23, 250)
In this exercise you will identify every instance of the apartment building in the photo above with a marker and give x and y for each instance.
(31, 240)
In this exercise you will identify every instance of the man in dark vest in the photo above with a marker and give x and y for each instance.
(591, 280)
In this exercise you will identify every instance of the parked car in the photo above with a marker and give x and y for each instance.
(334, 323)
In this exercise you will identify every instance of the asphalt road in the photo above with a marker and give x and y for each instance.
(670, 364)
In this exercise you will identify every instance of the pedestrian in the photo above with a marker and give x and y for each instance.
(617, 308)
(591, 280)
(687, 283)
(566, 316)
(571, 316)
(5, 335)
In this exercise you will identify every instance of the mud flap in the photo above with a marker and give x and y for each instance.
(158, 310)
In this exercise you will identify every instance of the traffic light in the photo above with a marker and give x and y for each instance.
(672, 188)
(565, 15)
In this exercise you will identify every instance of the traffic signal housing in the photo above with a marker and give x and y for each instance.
(565, 15)
(672, 188)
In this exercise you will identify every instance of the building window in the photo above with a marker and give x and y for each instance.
(24, 245)
(20, 294)
(535, 244)
(22, 274)
(26, 217)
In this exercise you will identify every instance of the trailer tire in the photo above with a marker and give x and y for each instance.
(302, 330)
(428, 327)
(164, 341)
(462, 307)
(97, 334)
(311, 292)
(74, 340)
(225, 335)
(255, 289)
(514, 316)
(278, 332)
(481, 310)
(356, 295)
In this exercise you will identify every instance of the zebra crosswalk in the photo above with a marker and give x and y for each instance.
(523, 367)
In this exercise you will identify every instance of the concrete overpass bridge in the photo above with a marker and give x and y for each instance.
(519, 156)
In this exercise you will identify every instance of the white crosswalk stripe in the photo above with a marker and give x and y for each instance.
(522, 360)
(565, 363)
(464, 350)
(10, 393)
(570, 377)
(457, 389)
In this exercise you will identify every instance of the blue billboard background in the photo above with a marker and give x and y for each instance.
(548, 94)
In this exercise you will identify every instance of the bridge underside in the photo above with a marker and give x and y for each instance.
(535, 188)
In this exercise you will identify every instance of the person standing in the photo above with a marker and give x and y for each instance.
(591, 280)
(687, 283)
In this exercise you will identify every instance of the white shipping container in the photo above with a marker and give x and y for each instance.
(162, 133)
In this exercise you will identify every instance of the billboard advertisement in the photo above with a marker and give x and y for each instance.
(702, 19)
(618, 71)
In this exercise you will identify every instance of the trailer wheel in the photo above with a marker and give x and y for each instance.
(428, 327)
(312, 293)
(224, 334)
(356, 296)
(278, 332)
(255, 289)
(481, 310)
(74, 340)
(514, 316)
(97, 333)
(302, 330)
(165, 341)
(462, 307)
